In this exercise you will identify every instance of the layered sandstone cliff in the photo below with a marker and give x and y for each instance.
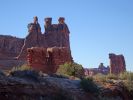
(10, 46)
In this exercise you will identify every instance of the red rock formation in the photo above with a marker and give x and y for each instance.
(23, 85)
(117, 63)
(55, 35)
(48, 59)
(10, 46)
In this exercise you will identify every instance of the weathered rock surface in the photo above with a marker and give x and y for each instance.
(47, 88)
(117, 63)
(48, 59)
(29, 85)
(8, 64)
(10, 46)
(115, 91)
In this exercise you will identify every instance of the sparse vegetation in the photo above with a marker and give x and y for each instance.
(126, 76)
(21, 68)
(121, 76)
(100, 77)
(71, 69)
(31, 75)
(89, 85)
(129, 85)
(112, 76)
(105, 78)
(24, 71)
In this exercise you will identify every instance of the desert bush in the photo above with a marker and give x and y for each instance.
(123, 76)
(129, 85)
(112, 76)
(65, 69)
(126, 76)
(30, 75)
(100, 77)
(25, 72)
(21, 68)
(89, 85)
(71, 69)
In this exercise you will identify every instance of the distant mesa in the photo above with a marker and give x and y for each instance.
(101, 69)
(117, 66)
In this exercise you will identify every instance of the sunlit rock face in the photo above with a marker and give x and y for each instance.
(48, 59)
(49, 50)
(55, 35)
(117, 63)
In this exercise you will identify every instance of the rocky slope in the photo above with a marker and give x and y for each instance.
(29, 85)
(18, 87)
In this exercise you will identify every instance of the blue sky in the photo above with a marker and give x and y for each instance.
(98, 27)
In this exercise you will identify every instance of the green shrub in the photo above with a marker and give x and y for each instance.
(88, 85)
(71, 69)
(65, 69)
